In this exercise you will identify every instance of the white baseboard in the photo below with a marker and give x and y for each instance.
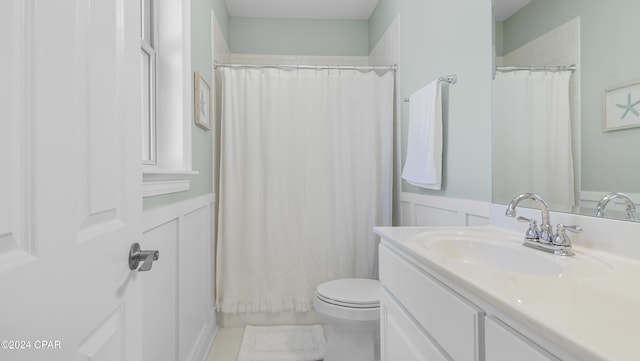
(202, 347)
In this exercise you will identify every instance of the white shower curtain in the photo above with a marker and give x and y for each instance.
(306, 172)
(532, 144)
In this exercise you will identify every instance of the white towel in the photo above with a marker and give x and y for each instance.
(423, 166)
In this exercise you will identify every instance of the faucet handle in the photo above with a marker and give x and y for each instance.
(561, 238)
(574, 229)
(533, 233)
(632, 213)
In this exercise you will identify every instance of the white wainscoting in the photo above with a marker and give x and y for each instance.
(425, 210)
(179, 320)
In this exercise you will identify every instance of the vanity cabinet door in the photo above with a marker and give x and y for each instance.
(504, 344)
(400, 336)
(450, 320)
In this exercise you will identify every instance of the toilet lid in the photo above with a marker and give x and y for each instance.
(351, 292)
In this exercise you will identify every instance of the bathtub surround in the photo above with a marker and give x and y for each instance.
(310, 191)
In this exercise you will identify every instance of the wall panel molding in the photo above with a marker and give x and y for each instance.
(187, 229)
(425, 210)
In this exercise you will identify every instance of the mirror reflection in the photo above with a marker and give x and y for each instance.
(570, 134)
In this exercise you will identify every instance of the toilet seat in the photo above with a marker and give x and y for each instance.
(351, 307)
(351, 293)
(346, 304)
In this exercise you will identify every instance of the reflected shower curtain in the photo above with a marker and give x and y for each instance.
(532, 147)
(305, 173)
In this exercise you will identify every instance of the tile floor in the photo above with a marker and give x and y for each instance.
(226, 345)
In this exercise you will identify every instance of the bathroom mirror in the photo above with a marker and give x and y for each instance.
(599, 37)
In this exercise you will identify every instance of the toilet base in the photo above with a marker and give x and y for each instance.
(353, 343)
(351, 308)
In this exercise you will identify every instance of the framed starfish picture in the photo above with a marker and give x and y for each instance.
(202, 106)
(622, 107)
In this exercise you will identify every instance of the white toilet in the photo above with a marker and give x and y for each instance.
(351, 308)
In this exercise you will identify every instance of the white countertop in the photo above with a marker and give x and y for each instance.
(591, 309)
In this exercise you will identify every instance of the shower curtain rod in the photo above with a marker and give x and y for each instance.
(536, 68)
(312, 67)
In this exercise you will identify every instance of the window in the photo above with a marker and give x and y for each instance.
(167, 96)
(148, 66)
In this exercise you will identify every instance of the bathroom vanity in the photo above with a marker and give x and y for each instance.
(475, 293)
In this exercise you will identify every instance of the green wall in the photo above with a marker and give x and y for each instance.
(383, 15)
(298, 37)
(609, 57)
(202, 140)
(499, 41)
(440, 38)
(220, 9)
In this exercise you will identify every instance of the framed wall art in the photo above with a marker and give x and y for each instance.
(622, 107)
(202, 98)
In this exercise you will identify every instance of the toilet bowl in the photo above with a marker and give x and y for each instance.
(351, 308)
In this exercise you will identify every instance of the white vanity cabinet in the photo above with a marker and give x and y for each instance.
(502, 343)
(403, 339)
(436, 313)
(423, 319)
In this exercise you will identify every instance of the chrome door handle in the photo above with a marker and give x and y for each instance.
(147, 257)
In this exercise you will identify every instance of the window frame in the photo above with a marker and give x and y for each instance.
(151, 134)
(172, 106)
(148, 47)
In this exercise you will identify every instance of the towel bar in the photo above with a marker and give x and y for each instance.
(451, 79)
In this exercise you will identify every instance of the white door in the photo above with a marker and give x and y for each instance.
(70, 203)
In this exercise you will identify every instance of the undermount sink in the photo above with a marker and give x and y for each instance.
(483, 252)
(501, 250)
(486, 247)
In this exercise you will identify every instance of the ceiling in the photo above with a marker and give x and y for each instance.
(333, 9)
(303, 9)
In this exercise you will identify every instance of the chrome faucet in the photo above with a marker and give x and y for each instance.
(546, 232)
(632, 214)
(544, 239)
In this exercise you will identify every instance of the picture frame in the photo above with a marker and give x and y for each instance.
(622, 107)
(202, 100)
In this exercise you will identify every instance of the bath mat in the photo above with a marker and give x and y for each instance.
(282, 343)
